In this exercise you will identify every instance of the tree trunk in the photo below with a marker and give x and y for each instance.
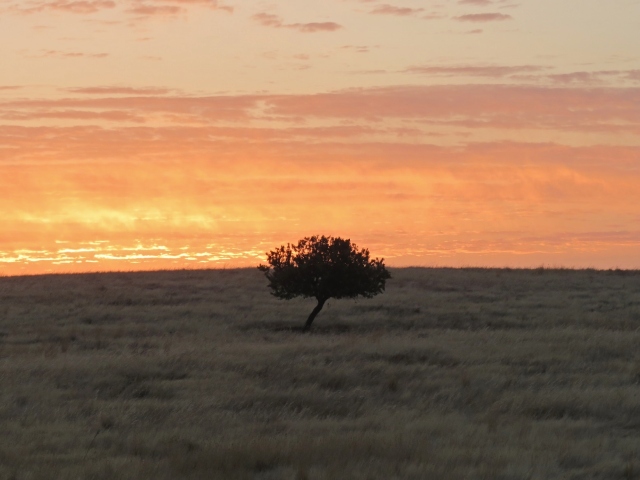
(315, 312)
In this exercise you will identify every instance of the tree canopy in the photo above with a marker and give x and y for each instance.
(324, 267)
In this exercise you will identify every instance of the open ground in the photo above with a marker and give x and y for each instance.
(450, 374)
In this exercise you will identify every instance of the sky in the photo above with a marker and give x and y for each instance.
(152, 134)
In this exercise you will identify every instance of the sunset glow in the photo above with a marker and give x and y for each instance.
(146, 134)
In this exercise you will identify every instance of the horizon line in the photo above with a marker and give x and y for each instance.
(550, 268)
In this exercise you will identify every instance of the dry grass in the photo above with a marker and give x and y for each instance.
(452, 374)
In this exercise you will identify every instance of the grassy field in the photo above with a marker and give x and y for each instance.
(451, 374)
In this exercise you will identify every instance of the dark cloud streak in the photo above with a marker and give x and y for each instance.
(483, 17)
(473, 70)
(386, 9)
(78, 7)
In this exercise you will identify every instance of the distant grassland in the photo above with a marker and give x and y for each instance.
(451, 374)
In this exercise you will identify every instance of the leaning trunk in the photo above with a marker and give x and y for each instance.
(315, 312)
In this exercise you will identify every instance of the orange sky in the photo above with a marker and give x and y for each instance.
(142, 134)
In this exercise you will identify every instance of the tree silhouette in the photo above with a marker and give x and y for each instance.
(323, 268)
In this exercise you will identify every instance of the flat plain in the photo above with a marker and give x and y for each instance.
(450, 374)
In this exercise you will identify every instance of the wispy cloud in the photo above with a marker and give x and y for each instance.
(483, 17)
(479, 106)
(154, 10)
(575, 77)
(480, 3)
(136, 7)
(633, 75)
(386, 9)
(585, 78)
(73, 6)
(494, 71)
(270, 20)
(213, 4)
(357, 48)
(119, 90)
(183, 109)
(597, 77)
(61, 54)
(111, 116)
(434, 16)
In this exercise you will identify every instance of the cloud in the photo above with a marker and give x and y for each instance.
(579, 77)
(60, 54)
(434, 16)
(357, 48)
(375, 71)
(213, 4)
(207, 3)
(493, 71)
(633, 75)
(315, 27)
(111, 116)
(187, 109)
(466, 108)
(595, 78)
(476, 2)
(270, 20)
(119, 90)
(10, 87)
(477, 106)
(156, 10)
(386, 9)
(136, 7)
(151, 8)
(77, 6)
(483, 17)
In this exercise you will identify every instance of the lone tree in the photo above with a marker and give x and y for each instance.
(323, 268)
